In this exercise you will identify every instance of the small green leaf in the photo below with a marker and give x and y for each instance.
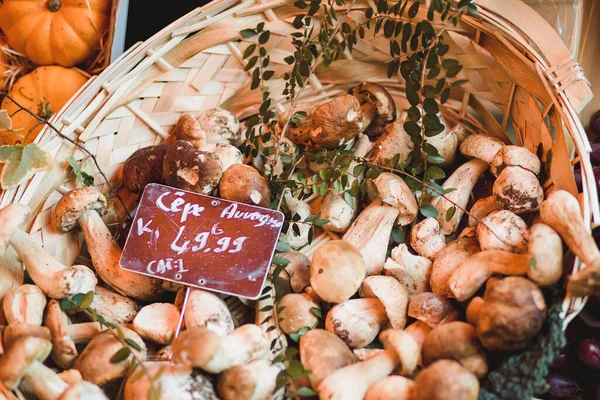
(431, 106)
(450, 213)
(120, 355)
(279, 260)
(87, 300)
(436, 172)
(429, 211)
(412, 128)
(398, 235)
(413, 10)
(248, 32)
(133, 344)
(266, 308)
(264, 37)
(321, 222)
(136, 376)
(445, 95)
(66, 304)
(435, 159)
(316, 311)
(306, 392)
(414, 114)
(78, 298)
(283, 246)
(21, 163)
(533, 263)
(459, 82)
(473, 9)
(268, 75)
(249, 51)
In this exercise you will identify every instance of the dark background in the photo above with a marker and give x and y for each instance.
(145, 18)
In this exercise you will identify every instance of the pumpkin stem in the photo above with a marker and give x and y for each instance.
(53, 5)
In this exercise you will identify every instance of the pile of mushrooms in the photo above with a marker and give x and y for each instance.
(411, 321)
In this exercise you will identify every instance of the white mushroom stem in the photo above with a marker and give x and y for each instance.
(412, 271)
(44, 382)
(481, 147)
(268, 322)
(54, 278)
(370, 234)
(303, 210)
(463, 179)
(84, 332)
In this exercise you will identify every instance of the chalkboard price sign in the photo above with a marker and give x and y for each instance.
(202, 241)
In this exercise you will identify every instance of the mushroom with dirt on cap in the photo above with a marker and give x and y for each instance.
(244, 184)
(394, 143)
(115, 308)
(157, 322)
(377, 107)
(503, 230)
(55, 279)
(432, 309)
(227, 153)
(357, 321)
(84, 206)
(300, 125)
(427, 239)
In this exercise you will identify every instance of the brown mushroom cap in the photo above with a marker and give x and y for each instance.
(378, 106)
(503, 230)
(296, 276)
(392, 190)
(432, 309)
(519, 190)
(244, 184)
(336, 122)
(186, 168)
(299, 132)
(446, 380)
(336, 271)
(322, 352)
(115, 308)
(515, 156)
(144, 166)
(18, 358)
(18, 330)
(296, 312)
(406, 347)
(76, 202)
(357, 322)
(393, 387)
(256, 380)
(157, 322)
(188, 129)
(194, 347)
(512, 313)
(455, 341)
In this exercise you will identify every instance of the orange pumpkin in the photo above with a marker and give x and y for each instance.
(62, 32)
(45, 90)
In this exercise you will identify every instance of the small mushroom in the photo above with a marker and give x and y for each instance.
(157, 322)
(220, 126)
(393, 387)
(244, 184)
(512, 313)
(207, 310)
(297, 312)
(448, 260)
(393, 191)
(562, 213)
(295, 278)
(299, 128)
(546, 248)
(467, 279)
(188, 128)
(336, 122)
(482, 147)
(336, 271)
(352, 382)
(83, 206)
(83, 391)
(65, 335)
(503, 230)
(187, 168)
(252, 381)
(482, 208)
(432, 309)
(456, 341)
(144, 166)
(519, 190)
(202, 348)
(392, 295)
(463, 180)
(370, 233)
(227, 153)
(24, 304)
(427, 239)
(446, 380)
(412, 271)
(321, 353)
(55, 279)
(115, 308)
(515, 156)
(377, 107)
(18, 330)
(357, 322)
(393, 142)
(446, 144)
(94, 362)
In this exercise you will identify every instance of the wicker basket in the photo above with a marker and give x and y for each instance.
(522, 79)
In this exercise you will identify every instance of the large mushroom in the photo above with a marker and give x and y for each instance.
(244, 184)
(503, 230)
(24, 304)
(115, 308)
(377, 107)
(227, 153)
(393, 387)
(83, 206)
(212, 126)
(299, 127)
(297, 312)
(394, 142)
(481, 147)
(206, 310)
(336, 122)
(357, 322)
(55, 279)
(432, 309)
(143, 167)
(427, 239)
(546, 248)
(448, 260)
(446, 380)
(157, 322)
(187, 168)
(392, 295)
(393, 191)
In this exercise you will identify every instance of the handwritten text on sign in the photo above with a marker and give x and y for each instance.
(202, 241)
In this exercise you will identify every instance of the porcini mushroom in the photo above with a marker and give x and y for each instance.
(392, 190)
(503, 230)
(185, 167)
(300, 126)
(66, 335)
(188, 128)
(24, 304)
(393, 387)
(512, 313)
(463, 179)
(519, 190)
(562, 213)
(377, 107)
(227, 153)
(297, 312)
(336, 271)
(446, 143)
(515, 156)
(412, 271)
(357, 322)
(157, 322)
(253, 381)
(144, 166)
(446, 380)
(55, 279)
(393, 142)
(482, 208)
(299, 239)
(295, 277)
(427, 239)
(243, 183)
(18, 330)
(83, 206)
(113, 307)
(336, 122)
(370, 233)
(448, 260)
(202, 348)
(83, 391)
(432, 309)
(352, 382)
(71, 376)
(392, 295)
(220, 126)
(546, 248)
(206, 310)
(321, 353)
(482, 147)
(467, 279)
(457, 341)
(94, 362)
